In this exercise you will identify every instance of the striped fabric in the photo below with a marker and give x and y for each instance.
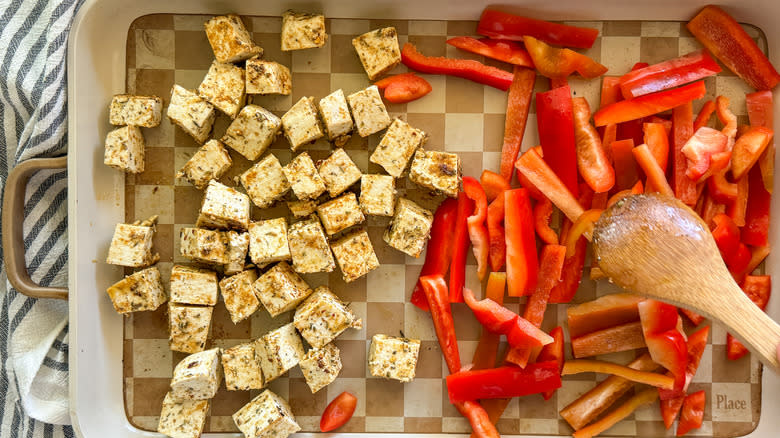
(33, 121)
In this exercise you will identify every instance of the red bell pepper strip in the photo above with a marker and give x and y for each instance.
(759, 289)
(487, 347)
(721, 189)
(703, 118)
(503, 382)
(555, 122)
(670, 408)
(727, 118)
(438, 301)
(439, 253)
(696, 344)
(517, 106)
(748, 149)
(700, 148)
(603, 312)
(553, 352)
(498, 319)
(756, 230)
(692, 415)
(728, 41)
(682, 130)
(539, 174)
(657, 140)
(504, 26)
(338, 412)
(668, 74)
(460, 247)
(592, 161)
(656, 316)
(613, 339)
(760, 110)
(649, 104)
(610, 90)
(496, 233)
(493, 184)
(625, 165)
(738, 209)
(478, 233)
(462, 68)
(501, 50)
(404, 87)
(726, 234)
(522, 264)
(526, 183)
(642, 398)
(564, 291)
(480, 422)
(695, 318)
(665, 342)
(738, 262)
(656, 177)
(557, 63)
(579, 366)
(542, 213)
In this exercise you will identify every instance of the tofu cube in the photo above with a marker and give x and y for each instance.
(377, 195)
(322, 317)
(189, 327)
(237, 248)
(397, 147)
(182, 419)
(193, 286)
(302, 208)
(125, 149)
(230, 40)
(279, 350)
(223, 87)
(304, 180)
(302, 31)
(210, 162)
(207, 246)
(267, 77)
(191, 113)
(241, 368)
(252, 131)
(321, 366)
(280, 289)
(355, 255)
(393, 358)
(369, 111)
(438, 171)
(340, 213)
(300, 123)
(338, 172)
(265, 181)
(127, 109)
(266, 416)
(239, 295)
(142, 290)
(335, 116)
(410, 228)
(224, 207)
(197, 376)
(268, 241)
(131, 246)
(378, 51)
(309, 247)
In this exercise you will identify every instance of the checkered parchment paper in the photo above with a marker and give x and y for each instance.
(459, 116)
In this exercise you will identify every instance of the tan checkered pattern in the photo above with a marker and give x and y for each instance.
(460, 116)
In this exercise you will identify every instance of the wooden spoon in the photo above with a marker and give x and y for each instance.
(657, 246)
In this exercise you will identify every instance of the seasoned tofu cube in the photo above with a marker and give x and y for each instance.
(355, 255)
(127, 109)
(265, 182)
(378, 51)
(279, 350)
(322, 317)
(340, 213)
(125, 149)
(280, 289)
(309, 247)
(393, 358)
(223, 87)
(191, 113)
(203, 245)
(377, 195)
(224, 207)
(131, 245)
(197, 376)
(335, 117)
(189, 327)
(230, 40)
(193, 286)
(300, 123)
(397, 147)
(266, 416)
(410, 228)
(321, 366)
(438, 171)
(252, 131)
(142, 290)
(304, 180)
(237, 248)
(302, 208)
(369, 111)
(182, 419)
(267, 77)
(302, 31)
(241, 368)
(239, 295)
(268, 241)
(338, 172)
(210, 162)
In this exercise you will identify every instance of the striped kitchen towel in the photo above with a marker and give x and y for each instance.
(33, 121)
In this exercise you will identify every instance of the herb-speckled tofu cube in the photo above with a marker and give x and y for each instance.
(340, 213)
(300, 123)
(377, 195)
(265, 181)
(336, 118)
(369, 111)
(279, 350)
(239, 295)
(191, 113)
(268, 241)
(302, 31)
(193, 286)
(197, 376)
(280, 289)
(303, 177)
(189, 327)
(230, 40)
(438, 171)
(309, 247)
(131, 246)
(378, 51)
(397, 147)
(237, 249)
(302, 208)
(321, 366)
(125, 149)
(241, 368)
(322, 317)
(142, 290)
(182, 419)
(266, 416)
(223, 87)
(338, 171)
(410, 228)
(207, 246)
(211, 161)
(267, 77)
(355, 255)
(127, 109)
(393, 358)
(224, 207)
(252, 131)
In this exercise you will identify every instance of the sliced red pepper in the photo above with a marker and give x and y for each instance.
(462, 68)
(517, 106)
(703, 118)
(699, 149)
(657, 316)
(727, 118)
(610, 90)
(682, 130)
(540, 175)
(460, 247)
(665, 342)
(696, 344)
(493, 184)
(438, 300)
(555, 122)
(496, 233)
(564, 291)
(553, 352)
(404, 87)
(728, 41)
(625, 165)
(338, 412)
(656, 178)
(487, 347)
(500, 320)
(522, 264)
(579, 366)
(760, 110)
(613, 339)
(503, 382)
(478, 232)
(592, 162)
(478, 418)
(668, 74)
(739, 261)
(738, 209)
(748, 149)
(439, 253)
(657, 140)
(501, 50)
(604, 312)
(756, 229)
(557, 63)
(642, 398)
(692, 415)
(664, 121)
(721, 189)
(726, 234)
(504, 26)
(648, 104)
(542, 214)
(695, 318)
